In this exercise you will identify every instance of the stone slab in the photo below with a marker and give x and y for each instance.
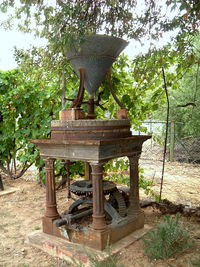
(78, 254)
(8, 190)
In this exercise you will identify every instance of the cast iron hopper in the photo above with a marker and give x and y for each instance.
(96, 55)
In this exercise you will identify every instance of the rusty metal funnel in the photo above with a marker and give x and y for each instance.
(96, 55)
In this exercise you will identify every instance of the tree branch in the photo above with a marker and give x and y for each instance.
(166, 133)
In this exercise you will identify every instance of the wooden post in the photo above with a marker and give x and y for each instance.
(134, 207)
(172, 141)
(98, 197)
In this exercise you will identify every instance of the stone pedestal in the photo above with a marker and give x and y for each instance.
(77, 253)
(94, 152)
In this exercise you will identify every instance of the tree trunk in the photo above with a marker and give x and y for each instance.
(1, 184)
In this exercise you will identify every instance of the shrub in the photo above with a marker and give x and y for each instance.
(196, 262)
(167, 239)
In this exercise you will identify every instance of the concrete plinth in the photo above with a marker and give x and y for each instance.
(76, 253)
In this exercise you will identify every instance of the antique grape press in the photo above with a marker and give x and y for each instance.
(101, 214)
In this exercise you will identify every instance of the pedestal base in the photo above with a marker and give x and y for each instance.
(49, 227)
(101, 239)
(79, 253)
(97, 239)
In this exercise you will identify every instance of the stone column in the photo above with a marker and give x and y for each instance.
(134, 207)
(51, 205)
(98, 197)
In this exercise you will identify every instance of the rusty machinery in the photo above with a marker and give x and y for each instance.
(101, 212)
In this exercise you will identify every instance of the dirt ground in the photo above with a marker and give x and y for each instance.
(21, 212)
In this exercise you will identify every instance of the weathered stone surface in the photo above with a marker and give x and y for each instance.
(84, 123)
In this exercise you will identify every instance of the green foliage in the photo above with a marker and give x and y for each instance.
(66, 23)
(188, 117)
(196, 262)
(30, 98)
(77, 169)
(60, 22)
(119, 178)
(29, 101)
(26, 112)
(184, 93)
(116, 164)
(168, 239)
(37, 227)
(135, 96)
(138, 85)
(118, 169)
(141, 90)
(145, 184)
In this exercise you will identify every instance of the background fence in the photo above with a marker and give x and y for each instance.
(185, 149)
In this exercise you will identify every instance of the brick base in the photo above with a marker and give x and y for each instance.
(77, 253)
